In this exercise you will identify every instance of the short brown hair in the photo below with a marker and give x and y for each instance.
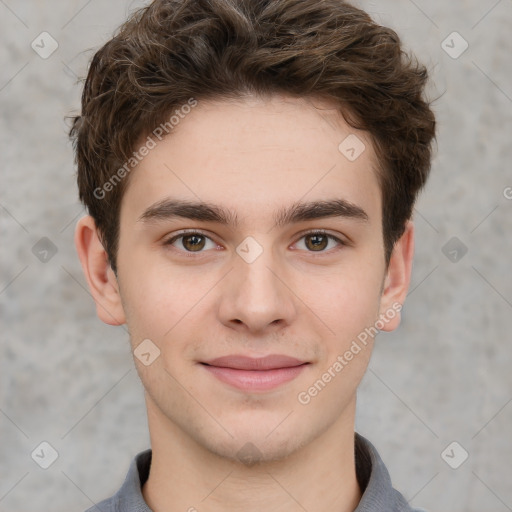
(174, 50)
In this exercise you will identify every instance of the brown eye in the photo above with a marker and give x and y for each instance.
(316, 241)
(320, 242)
(193, 243)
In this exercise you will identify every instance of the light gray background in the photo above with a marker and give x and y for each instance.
(443, 376)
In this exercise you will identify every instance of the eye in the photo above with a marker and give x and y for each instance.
(192, 241)
(197, 242)
(318, 241)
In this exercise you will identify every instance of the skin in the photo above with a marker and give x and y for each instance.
(253, 156)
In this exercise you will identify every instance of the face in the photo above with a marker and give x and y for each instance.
(278, 270)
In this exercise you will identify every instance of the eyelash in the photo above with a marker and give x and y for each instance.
(195, 254)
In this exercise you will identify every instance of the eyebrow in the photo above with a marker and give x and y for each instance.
(168, 209)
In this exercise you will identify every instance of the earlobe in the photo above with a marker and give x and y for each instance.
(98, 272)
(397, 279)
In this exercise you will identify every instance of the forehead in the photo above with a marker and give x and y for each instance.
(255, 154)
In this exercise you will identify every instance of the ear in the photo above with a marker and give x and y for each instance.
(397, 279)
(98, 272)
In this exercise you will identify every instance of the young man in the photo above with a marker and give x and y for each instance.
(250, 169)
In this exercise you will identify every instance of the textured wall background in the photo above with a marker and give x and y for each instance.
(443, 376)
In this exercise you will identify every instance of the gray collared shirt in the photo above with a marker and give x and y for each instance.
(372, 475)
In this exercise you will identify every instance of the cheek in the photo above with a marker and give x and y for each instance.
(159, 302)
(149, 303)
(347, 302)
(349, 306)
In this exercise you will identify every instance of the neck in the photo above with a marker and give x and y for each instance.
(184, 476)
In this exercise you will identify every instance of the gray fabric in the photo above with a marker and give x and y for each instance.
(379, 495)
(372, 475)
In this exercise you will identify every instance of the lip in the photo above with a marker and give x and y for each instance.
(255, 374)
(241, 362)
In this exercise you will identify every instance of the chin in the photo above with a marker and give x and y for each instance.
(252, 452)
(256, 444)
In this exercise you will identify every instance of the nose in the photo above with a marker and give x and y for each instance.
(256, 297)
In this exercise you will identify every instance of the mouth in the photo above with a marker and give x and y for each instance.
(255, 374)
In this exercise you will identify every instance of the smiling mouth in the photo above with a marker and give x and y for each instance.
(255, 374)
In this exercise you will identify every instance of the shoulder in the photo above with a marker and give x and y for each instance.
(129, 497)
(108, 505)
(375, 482)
